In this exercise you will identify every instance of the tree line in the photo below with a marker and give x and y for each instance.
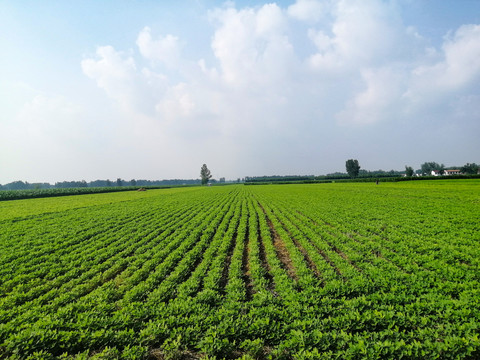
(21, 185)
(353, 170)
(352, 167)
(428, 168)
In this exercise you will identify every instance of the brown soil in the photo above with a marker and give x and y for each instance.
(280, 248)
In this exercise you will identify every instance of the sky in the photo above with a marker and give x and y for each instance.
(154, 89)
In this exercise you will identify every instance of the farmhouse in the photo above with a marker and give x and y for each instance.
(452, 172)
(446, 172)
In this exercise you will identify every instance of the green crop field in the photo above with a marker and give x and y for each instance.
(318, 271)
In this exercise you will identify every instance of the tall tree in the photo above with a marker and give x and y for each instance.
(205, 174)
(353, 167)
(469, 168)
(408, 171)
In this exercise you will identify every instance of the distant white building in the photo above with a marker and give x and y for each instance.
(446, 172)
(452, 172)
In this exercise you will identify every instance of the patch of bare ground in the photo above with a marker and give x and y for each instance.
(304, 252)
(280, 248)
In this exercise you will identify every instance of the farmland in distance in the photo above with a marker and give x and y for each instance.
(348, 271)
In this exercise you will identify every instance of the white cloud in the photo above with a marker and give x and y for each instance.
(457, 70)
(261, 93)
(176, 104)
(307, 10)
(164, 49)
(116, 72)
(251, 45)
(113, 72)
(462, 53)
(380, 100)
(322, 41)
(363, 34)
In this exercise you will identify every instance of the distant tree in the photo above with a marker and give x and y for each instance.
(441, 169)
(108, 183)
(469, 168)
(428, 167)
(408, 171)
(98, 183)
(17, 185)
(222, 180)
(352, 167)
(133, 182)
(205, 174)
(71, 184)
(119, 182)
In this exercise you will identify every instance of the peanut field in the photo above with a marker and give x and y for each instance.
(312, 271)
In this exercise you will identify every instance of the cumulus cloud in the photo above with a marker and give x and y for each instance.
(262, 88)
(307, 10)
(457, 69)
(382, 94)
(363, 33)
(165, 49)
(251, 45)
(116, 72)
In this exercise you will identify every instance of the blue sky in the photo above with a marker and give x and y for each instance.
(147, 89)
